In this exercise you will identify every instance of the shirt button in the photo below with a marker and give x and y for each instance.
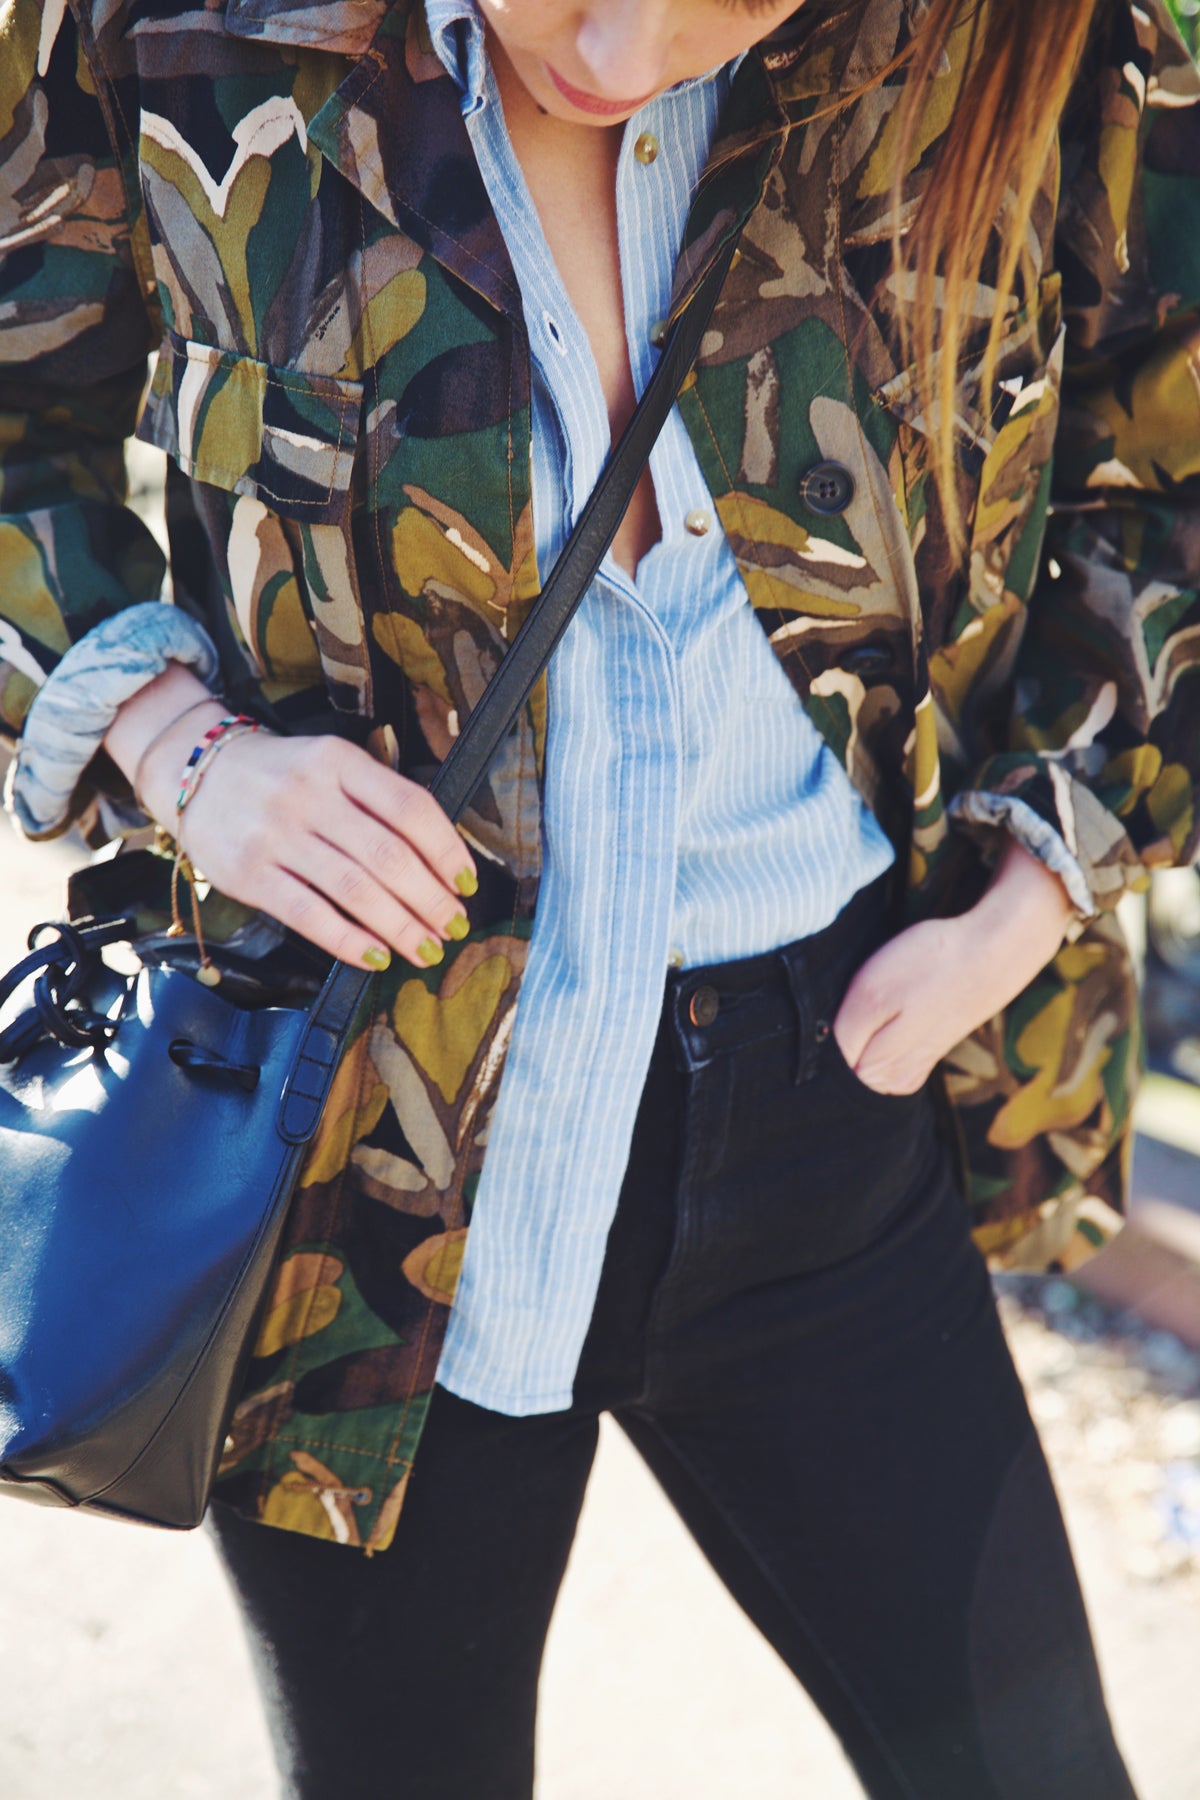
(674, 959)
(704, 1006)
(826, 489)
(698, 522)
(646, 147)
(658, 333)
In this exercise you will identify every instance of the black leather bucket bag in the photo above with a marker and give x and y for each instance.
(152, 1129)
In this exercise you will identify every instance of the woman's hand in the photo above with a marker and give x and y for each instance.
(928, 988)
(312, 830)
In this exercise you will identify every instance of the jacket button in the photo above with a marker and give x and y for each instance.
(827, 488)
(704, 1006)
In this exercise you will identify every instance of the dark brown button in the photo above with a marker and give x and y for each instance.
(704, 1006)
(826, 489)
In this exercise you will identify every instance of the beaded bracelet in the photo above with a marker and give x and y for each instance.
(135, 781)
(195, 769)
(205, 754)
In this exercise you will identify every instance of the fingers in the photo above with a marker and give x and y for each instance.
(893, 1064)
(352, 856)
(356, 860)
(860, 1016)
(308, 912)
(409, 812)
(884, 1054)
(410, 911)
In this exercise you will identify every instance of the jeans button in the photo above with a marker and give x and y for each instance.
(704, 1006)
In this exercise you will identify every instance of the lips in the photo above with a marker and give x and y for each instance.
(592, 103)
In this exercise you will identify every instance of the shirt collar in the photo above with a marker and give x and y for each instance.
(456, 33)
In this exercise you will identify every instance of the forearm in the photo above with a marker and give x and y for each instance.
(1019, 925)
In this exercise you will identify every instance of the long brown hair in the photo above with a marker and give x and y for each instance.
(1020, 59)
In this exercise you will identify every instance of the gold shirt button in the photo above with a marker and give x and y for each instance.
(675, 959)
(646, 147)
(698, 522)
(658, 333)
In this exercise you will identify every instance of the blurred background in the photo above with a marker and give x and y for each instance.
(123, 1675)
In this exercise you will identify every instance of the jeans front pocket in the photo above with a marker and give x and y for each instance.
(849, 1074)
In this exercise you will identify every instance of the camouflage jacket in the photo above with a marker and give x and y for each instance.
(278, 196)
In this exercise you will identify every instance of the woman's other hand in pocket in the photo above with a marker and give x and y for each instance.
(932, 985)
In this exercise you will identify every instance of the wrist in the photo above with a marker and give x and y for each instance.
(153, 733)
(167, 760)
(1024, 915)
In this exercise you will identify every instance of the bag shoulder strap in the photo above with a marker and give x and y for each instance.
(572, 575)
(496, 710)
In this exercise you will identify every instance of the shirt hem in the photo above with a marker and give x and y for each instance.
(514, 1406)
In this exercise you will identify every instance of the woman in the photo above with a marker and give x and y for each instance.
(405, 269)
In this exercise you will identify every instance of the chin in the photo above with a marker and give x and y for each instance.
(584, 110)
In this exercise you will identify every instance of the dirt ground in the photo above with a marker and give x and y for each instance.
(123, 1675)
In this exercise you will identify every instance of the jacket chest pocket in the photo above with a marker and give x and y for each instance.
(271, 454)
(1002, 451)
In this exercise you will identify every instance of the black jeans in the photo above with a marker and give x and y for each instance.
(796, 1332)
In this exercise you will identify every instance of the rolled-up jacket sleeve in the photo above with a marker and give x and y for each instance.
(75, 331)
(1099, 776)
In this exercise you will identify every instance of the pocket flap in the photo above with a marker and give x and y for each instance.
(285, 437)
(1029, 351)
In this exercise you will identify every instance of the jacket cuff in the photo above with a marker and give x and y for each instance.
(73, 709)
(982, 815)
(1061, 820)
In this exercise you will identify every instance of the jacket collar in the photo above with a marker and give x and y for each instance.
(345, 27)
(395, 130)
(828, 46)
(394, 127)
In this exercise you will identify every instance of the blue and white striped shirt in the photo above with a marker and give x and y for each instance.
(693, 814)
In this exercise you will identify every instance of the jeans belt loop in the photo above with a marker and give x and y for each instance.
(795, 965)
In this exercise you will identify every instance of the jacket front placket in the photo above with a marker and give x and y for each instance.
(446, 369)
(445, 565)
(784, 390)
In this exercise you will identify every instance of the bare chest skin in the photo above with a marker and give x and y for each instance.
(571, 174)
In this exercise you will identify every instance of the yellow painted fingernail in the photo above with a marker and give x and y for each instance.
(377, 959)
(430, 952)
(467, 883)
(458, 927)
